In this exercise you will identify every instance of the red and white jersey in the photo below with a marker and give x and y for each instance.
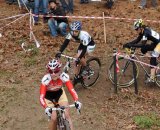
(48, 84)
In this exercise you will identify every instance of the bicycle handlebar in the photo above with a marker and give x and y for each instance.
(129, 50)
(62, 107)
(69, 57)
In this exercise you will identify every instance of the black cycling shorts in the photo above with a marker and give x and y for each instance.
(54, 95)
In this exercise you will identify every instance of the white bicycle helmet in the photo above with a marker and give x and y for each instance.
(138, 24)
(54, 66)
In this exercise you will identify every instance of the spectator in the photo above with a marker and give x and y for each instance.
(67, 6)
(109, 4)
(84, 1)
(11, 1)
(28, 3)
(57, 24)
(144, 2)
(37, 4)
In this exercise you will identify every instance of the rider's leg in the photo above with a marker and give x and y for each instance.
(83, 61)
(153, 72)
(77, 68)
(63, 101)
(90, 50)
(146, 48)
(53, 121)
(153, 60)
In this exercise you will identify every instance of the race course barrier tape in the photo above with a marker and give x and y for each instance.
(127, 57)
(13, 16)
(94, 17)
(14, 21)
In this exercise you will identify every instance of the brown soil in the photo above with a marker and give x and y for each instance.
(21, 73)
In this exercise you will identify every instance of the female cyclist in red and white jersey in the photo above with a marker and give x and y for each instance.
(51, 89)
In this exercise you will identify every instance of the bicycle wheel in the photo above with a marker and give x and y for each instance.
(158, 76)
(93, 72)
(125, 74)
(66, 124)
(60, 122)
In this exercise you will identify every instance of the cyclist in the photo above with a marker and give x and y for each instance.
(145, 34)
(86, 45)
(51, 89)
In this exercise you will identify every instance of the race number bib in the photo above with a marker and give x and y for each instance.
(46, 79)
(64, 77)
(155, 34)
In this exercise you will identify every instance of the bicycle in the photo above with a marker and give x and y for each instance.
(125, 74)
(62, 122)
(88, 77)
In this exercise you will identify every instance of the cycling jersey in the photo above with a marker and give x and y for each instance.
(50, 85)
(83, 38)
(147, 34)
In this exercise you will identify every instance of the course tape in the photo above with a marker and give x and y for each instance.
(14, 21)
(93, 17)
(138, 61)
(13, 16)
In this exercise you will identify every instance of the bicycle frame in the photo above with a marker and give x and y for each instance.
(142, 66)
(136, 57)
(60, 110)
(67, 66)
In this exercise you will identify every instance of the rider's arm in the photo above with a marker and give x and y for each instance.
(136, 40)
(66, 42)
(64, 45)
(65, 79)
(139, 44)
(42, 95)
(71, 90)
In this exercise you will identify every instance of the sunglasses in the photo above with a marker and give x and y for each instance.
(55, 71)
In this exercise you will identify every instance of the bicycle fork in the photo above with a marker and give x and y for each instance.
(60, 120)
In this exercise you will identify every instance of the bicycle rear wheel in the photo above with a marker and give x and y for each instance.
(125, 75)
(93, 72)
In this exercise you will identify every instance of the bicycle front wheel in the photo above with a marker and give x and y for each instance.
(66, 124)
(125, 75)
(93, 73)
